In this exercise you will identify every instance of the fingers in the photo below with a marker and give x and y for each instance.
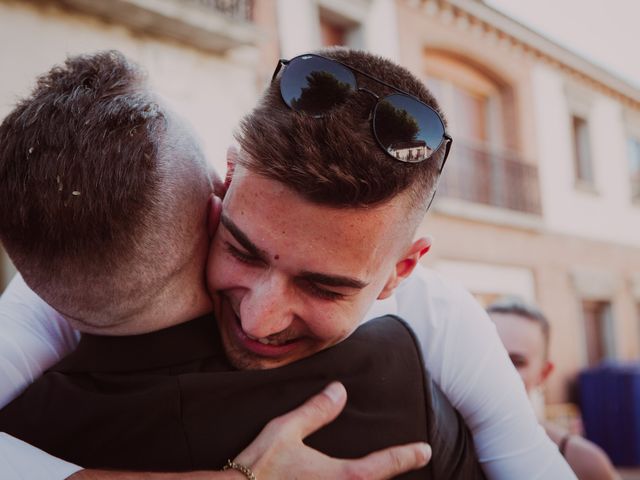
(390, 462)
(318, 411)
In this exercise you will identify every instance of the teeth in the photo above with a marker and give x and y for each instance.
(265, 341)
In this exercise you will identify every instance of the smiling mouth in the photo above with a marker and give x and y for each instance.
(265, 341)
(263, 347)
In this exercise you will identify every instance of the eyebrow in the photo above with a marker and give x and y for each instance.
(333, 280)
(316, 277)
(243, 240)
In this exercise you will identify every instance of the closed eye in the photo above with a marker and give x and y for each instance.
(241, 256)
(518, 361)
(318, 291)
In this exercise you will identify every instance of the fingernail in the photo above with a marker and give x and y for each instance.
(425, 449)
(335, 392)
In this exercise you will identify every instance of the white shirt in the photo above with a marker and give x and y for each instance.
(466, 358)
(460, 345)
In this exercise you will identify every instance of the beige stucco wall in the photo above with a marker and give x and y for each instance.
(373, 21)
(606, 213)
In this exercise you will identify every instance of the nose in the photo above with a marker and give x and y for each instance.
(269, 307)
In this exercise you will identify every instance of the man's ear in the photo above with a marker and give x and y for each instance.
(213, 218)
(405, 265)
(546, 371)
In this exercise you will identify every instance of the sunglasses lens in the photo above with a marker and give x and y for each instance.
(407, 129)
(315, 85)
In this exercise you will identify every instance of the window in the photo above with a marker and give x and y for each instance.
(339, 28)
(598, 331)
(332, 34)
(634, 167)
(485, 167)
(583, 167)
(472, 114)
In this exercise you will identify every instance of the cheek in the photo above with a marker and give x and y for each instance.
(332, 323)
(527, 375)
(348, 315)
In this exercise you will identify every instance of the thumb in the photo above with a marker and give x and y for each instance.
(319, 410)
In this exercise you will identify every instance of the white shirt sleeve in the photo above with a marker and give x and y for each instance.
(466, 359)
(33, 337)
(20, 461)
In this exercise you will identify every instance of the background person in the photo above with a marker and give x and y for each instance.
(525, 331)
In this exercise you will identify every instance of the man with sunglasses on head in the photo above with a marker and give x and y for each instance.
(318, 223)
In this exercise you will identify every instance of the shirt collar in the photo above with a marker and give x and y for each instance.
(186, 342)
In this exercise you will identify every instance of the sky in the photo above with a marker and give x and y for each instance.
(607, 32)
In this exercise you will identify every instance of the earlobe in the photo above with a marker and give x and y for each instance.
(405, 265)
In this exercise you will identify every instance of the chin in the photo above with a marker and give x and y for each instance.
(243, 361)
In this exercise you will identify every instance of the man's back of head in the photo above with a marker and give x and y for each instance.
(96, 178)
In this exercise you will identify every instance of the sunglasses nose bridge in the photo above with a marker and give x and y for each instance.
(366, 90)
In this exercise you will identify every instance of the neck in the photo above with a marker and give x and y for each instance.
(173, 307)
(142, 307)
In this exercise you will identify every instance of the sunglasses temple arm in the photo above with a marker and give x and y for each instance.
(281, 63)
(449, 141)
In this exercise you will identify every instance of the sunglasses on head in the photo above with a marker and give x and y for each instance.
(405, 128)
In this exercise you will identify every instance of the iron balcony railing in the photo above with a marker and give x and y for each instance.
(236, 9)
(481, 175)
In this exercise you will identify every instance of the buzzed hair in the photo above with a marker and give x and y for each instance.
(516, 306)
(335, 160)
(86, 185)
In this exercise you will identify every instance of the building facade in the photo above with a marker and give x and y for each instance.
(541, 194)
(539, 197)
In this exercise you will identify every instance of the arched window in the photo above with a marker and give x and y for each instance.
(470, 99)
(485, 166)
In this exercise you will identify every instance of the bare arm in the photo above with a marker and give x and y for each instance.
(279, 452)
(585, 458)
(109, 475)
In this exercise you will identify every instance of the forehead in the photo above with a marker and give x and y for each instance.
(280, 221)
(518, 334)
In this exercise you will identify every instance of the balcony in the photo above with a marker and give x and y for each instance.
(235, 9)
(482, 176)
(212, 25)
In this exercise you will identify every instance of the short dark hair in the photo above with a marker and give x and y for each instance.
(335, 160)
(86, 185)
(516, 306)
